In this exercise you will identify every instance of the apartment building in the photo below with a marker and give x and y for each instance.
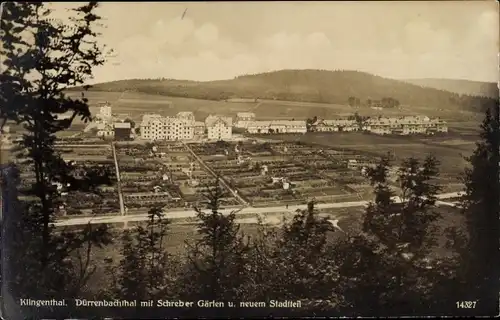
(243, 119)
(277, 126)
(219, 127)
(157, 127)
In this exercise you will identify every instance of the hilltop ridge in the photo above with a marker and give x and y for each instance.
(467, 87)
(321, 86)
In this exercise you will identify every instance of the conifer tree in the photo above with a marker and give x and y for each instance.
(481, 207)
(397, 235)
(217, 259)
(43, 57)
(144, 270)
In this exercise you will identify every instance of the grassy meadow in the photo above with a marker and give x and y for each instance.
(136, 104)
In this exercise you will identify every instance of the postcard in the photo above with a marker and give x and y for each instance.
(249, 159)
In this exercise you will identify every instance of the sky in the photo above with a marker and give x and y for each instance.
(221, 40)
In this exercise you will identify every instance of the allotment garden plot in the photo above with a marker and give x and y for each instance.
(82, 157)
(270, 174)
(162, 174)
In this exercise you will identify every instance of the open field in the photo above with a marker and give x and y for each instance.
(135, 104)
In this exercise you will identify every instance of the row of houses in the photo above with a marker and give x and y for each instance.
(404, 125)
(247, 121)
(277, 126)
(184, 126)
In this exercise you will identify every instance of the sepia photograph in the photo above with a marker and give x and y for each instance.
(271, 159)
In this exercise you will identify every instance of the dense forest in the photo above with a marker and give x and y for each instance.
(466, 87)
(320, 86)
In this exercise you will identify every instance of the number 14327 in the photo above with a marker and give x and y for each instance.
(466, 304)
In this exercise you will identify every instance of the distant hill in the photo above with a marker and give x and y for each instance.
(474, 88)
(322, 86)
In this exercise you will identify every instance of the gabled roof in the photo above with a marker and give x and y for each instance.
(335, 122)
(211, 120)
(104, 126)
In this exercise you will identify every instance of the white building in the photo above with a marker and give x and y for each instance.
(243, 119)
(406, 125)
(335, 125)
(157, 127)
(105, 130)
(104, 112)
(277, 126)
(219, 127)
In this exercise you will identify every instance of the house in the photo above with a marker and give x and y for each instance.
(122, 131)
(277, 126)
(105, 130)
(288, 126)
(243, 119)
(335, 125)
(258, 127)
(219, 127)
(437, 126)
(352, 164)
(277, 179)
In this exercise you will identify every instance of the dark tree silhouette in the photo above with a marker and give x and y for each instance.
(216, 261)
(481, 205)
(132, 122)
(42, 58)
(144, 268)
(395, 242)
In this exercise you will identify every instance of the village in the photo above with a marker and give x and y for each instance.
(171, 161)
(184, 127)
